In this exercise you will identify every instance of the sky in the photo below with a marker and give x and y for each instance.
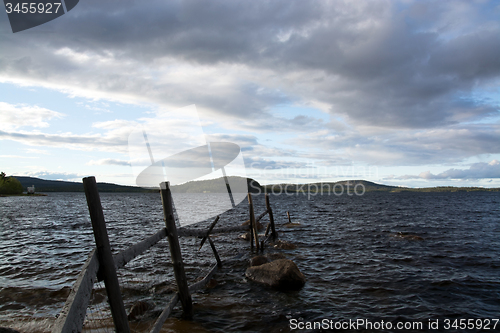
(403, 93)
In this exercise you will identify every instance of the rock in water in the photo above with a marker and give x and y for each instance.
(284, 245)
(275, 256)
(282, 274)
(245, 236)
(258, 260)
(407, 236)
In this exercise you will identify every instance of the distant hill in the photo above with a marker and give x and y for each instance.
(208, 186)
(214, 186)
(330, 187)
(447, 189)
(42, 185)
(357, 185)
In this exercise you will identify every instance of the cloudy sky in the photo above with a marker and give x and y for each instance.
(396, 92)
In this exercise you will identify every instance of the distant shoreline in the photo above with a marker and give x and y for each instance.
(24, 195)
(213, 186)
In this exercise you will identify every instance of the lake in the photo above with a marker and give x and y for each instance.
(357, 253)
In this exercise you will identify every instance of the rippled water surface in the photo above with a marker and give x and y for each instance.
(352, 250)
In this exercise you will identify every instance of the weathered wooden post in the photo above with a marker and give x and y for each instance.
(106, 262)
(271, 217)
(175, 250)
(253, 224)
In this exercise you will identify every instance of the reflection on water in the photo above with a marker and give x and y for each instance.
(350, 248)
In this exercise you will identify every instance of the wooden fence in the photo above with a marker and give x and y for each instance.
(101, 265)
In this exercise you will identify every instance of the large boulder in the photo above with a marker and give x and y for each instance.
(282, 274)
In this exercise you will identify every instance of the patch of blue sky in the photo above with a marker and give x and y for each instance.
(484, 158)
(489, 98)
(79, 113)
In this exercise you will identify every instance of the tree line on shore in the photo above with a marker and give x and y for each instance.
(10, 185)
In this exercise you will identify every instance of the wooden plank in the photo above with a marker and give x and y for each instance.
(208, 232)
(228, 187)
(258, 218)
(165, 314)
(168, 309)
(106, 262)
(271, 218)
(201, 284)
(175, 250)
(74, 310)
(261, 216)
(267, 229)
(187, 232)
(122, 258)
(212, 245)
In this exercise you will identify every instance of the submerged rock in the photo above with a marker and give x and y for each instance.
(282, 274)
(407, 236)
(292, 225)
(281, 244)
(245, 236)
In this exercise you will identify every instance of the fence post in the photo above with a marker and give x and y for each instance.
(271, 217)
(106, 262)
(253, 224)
(175, 250)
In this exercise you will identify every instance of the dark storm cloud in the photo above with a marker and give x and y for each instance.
(419, 67)
(378, 66)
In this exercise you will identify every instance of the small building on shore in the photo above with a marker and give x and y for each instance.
(31, 189)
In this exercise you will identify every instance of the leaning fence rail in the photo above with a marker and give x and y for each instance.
(74, 310)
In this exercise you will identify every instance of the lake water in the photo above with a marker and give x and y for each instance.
(357, 265)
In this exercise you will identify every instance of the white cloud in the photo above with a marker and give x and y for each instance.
(15, 116)
(66, 176)
(109, 161)
(16, 156)
(479, 170)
